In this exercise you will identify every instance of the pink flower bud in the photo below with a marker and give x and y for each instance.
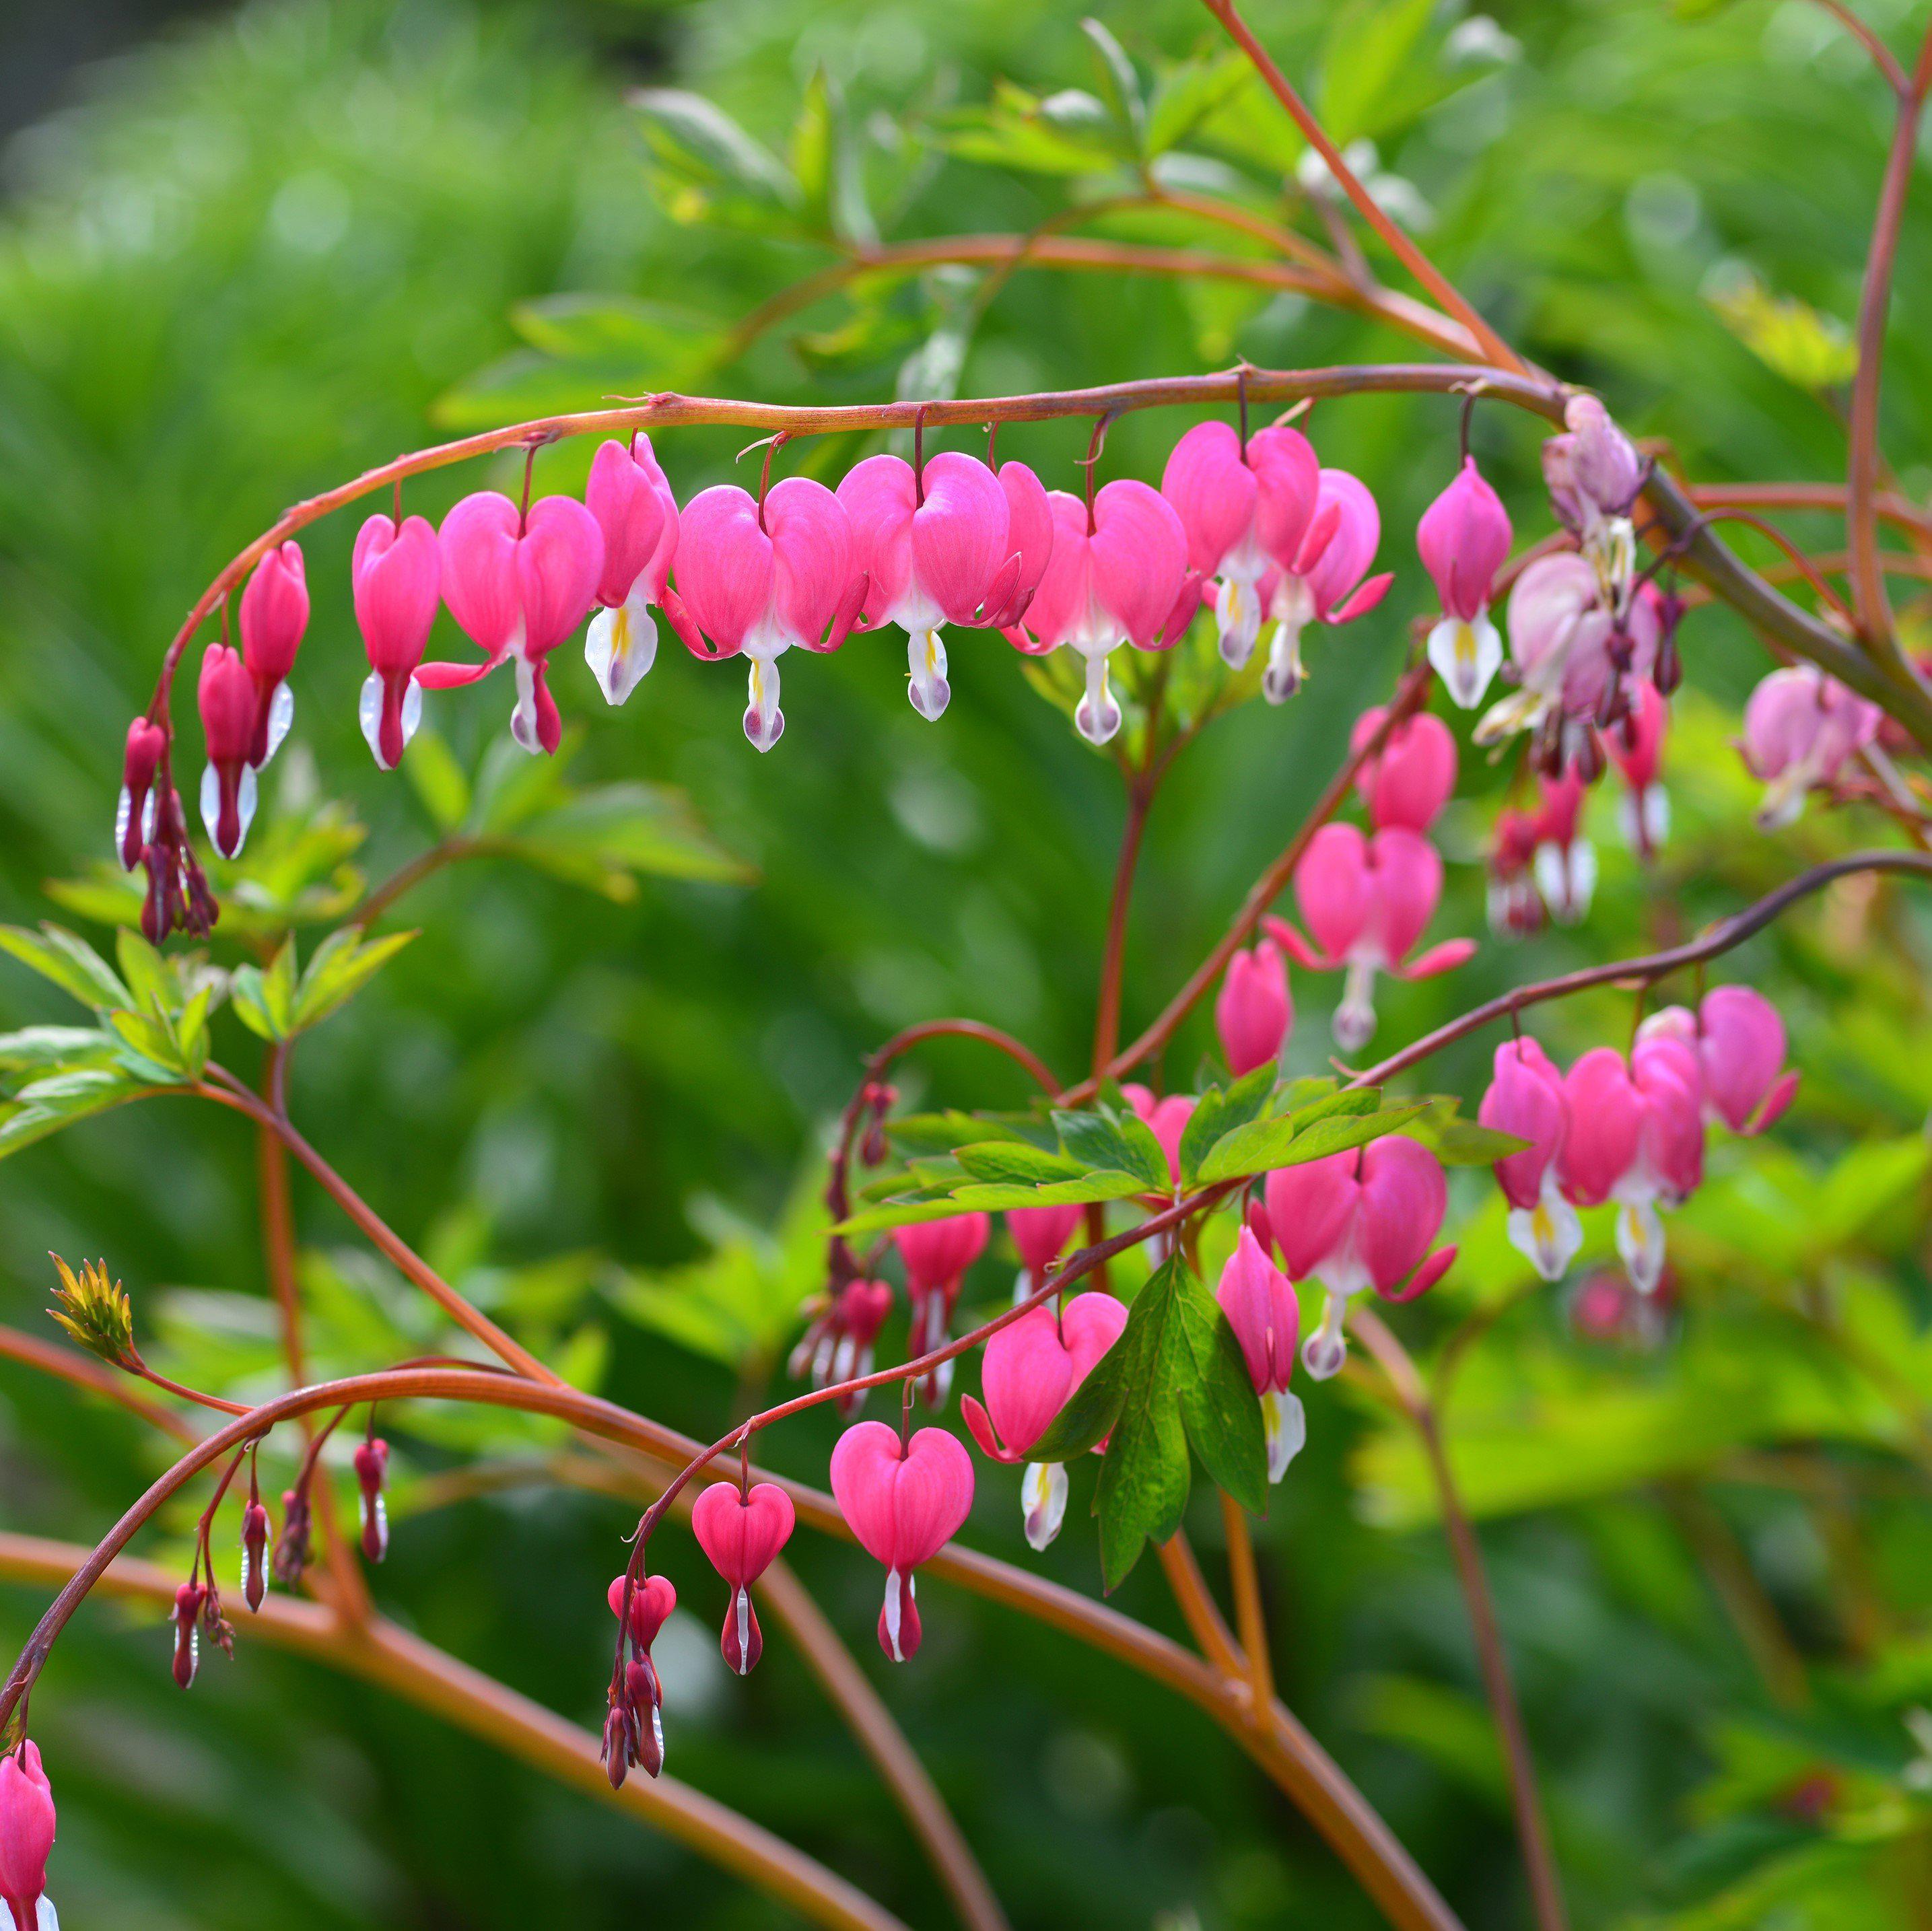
(1592, 469)
(274, 614)
(759, 580)
(372, 1465)
(396, 577)
(1111, 578)
(26, 1838)
(226, 695)
(1356, 1220)
(1636, 747)
(1041, 1234)
(1801, 727)
(1031, 1368)
(1254, 1012)
(741, 1532)
(904, 1501)
(1565, 862)
(1526, 1097)
(631, 498)
(1405, 784)
(1261, 1307)
(1464, 539)
(1513, 907)
(1740, 1048)
(134, 816)
(936, 1253)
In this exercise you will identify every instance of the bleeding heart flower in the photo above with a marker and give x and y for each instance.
(634, 1735)
(759, 579)
(1635, 1137)
(1356, 1220)
(1114, 576)
(1318, 579)
(135, 814)
(631, 498)
(837, 1345)
(1512, 906)
(1464, 538)
(937, 1253)
(1241, 507)
(741, 1530)
(1801, 727)
(1738, 1040)
(1029, 536)
(1168, 1118)
(1032, 1366)
(1594, 473)
(274, 614)
(372, 1468)
(1526, 1097)
(26, 1839)
(517, 586)
(904, 1500)
(1636, 747)
(1366, 901)
(1261, 1307)
(934, 544)
(1254, 1013)
(1565, 862)
(396, 575)
(226, 696)
(1041, 1233)
(1407, 783)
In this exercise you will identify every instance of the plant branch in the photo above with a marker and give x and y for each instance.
(83, 1371)
(1250, 1614)
(1545, 1888)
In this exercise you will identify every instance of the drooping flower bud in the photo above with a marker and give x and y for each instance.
(1636, 747)
(134, 816)
(1801, 727)
(1030, 1369)
(1565, 863)
(26, 1839)
(396, 577)
(274, 614)
(937, 1253)
(1526, 1098)
(742, 1531)
(651, 1599)
(904, 1500)
(1464, 538)
(1041, 1234)
(292, 1547)
(254, 1551)
(1405, 784)
(186, 1617)
(372, 1463)
(1254, 1012)
(226, 697)
(1513, 907)
(1261, 1307)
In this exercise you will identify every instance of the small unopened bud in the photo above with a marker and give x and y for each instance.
(291, 1548)
(617, 1745)
(187, 1620)
(646, 1697)
(221, 1630)
(254, 1553)
(372, 1462)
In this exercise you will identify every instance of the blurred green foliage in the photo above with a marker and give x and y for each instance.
(300, 237)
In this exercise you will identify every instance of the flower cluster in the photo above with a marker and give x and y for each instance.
(1629, 1129)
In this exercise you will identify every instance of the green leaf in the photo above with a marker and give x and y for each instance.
(1285, 1142)
(1090, 1413)
(608, 838)
(1186, 96)
(1222, 1109)
(1218, 1407)
(38, 1046)
(1118, 1143)
(1120, 84)
(1144, 1475)
(343, 964)
(1810, 349)
(708, 168)
(1017, 1164)
(72, 965)
(251, 1004)
(997, 1197)
(1463, 1143)
(48, 1104)
(145, 972)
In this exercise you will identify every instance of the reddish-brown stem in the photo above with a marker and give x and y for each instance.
(351, 1591)
(1651, 966)
(883, 1740)
(1442, 290)
(1860, 31)
(1545, 1888)
(383, 1654)
(1862, 477)
(83, 1371)
(1250, 1613)
(1888, 505)
(1141, 787)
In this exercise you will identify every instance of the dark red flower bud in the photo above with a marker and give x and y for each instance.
(618, 1731)
(372, 1462)
(292, 1549)
(187, 1620)
(254, 1553)
(134, 820)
